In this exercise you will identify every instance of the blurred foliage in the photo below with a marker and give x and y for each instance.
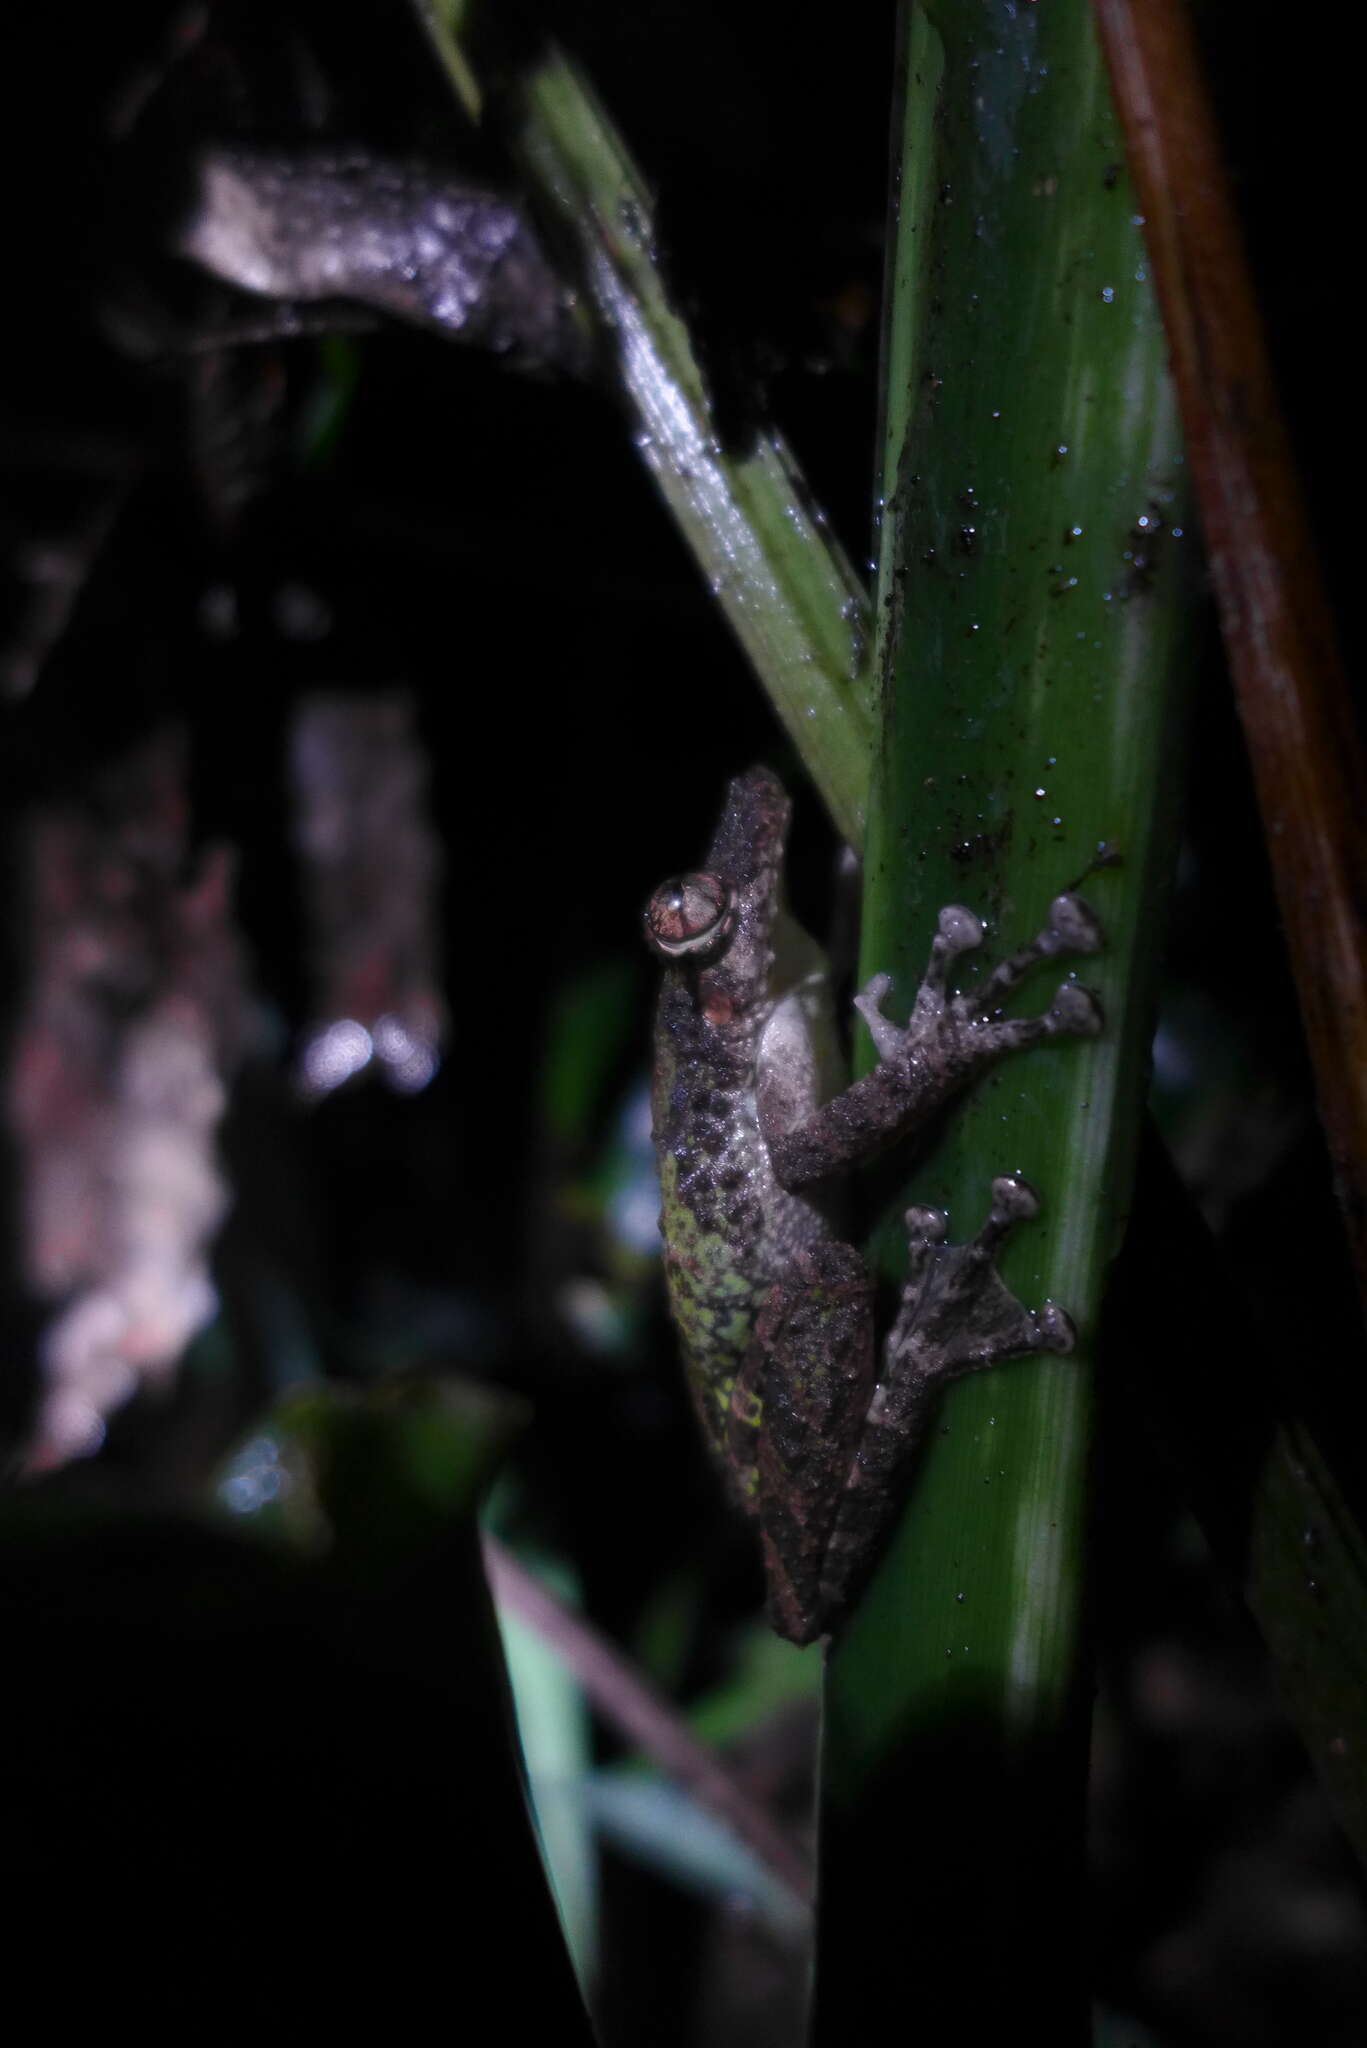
(219, 1732)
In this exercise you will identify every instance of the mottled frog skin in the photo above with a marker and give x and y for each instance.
(774, 1310)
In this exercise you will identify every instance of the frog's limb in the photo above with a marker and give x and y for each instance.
(957, 1314)
(811, 1375)
(947, 1040)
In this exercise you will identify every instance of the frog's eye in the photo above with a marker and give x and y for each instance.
(690, 917)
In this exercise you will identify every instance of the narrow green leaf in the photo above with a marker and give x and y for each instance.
(767, 555)
(557, 1744)
(661, 1828)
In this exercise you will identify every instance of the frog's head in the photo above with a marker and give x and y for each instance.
(693, 918)
(713, 926)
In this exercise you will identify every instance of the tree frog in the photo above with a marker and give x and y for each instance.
(775, 1311)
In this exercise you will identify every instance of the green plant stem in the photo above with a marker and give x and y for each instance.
(1030, 628)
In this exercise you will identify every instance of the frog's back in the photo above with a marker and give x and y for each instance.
(729, 1229)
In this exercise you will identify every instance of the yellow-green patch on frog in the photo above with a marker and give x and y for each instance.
(774, 1311)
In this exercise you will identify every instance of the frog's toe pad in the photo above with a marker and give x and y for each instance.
(1076, 1010)
(1012, 1199)
(960, 928)
(1056, 1328)
(926, 1226)
(1077, 925)
(872, 994)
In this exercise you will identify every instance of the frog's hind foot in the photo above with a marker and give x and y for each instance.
(957, 1312)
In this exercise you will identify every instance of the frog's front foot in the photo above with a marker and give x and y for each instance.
(968, 1029)
(945, 1043)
